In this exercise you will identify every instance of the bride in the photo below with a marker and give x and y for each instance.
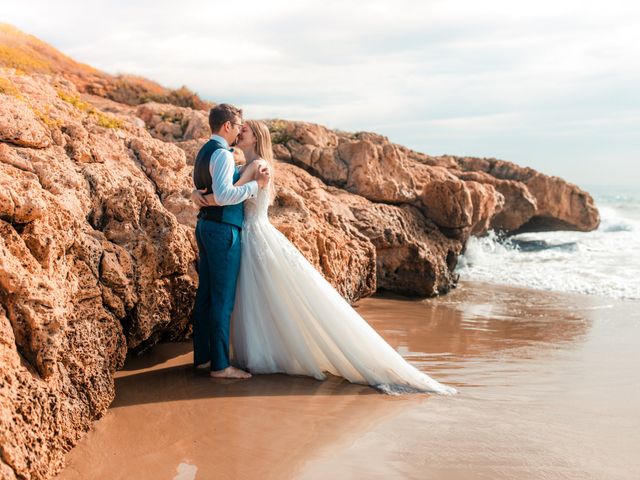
(287, 318)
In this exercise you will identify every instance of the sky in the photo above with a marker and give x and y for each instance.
(554, 85)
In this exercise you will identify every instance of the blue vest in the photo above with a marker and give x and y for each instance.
(231, 214)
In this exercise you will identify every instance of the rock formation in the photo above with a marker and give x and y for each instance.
(97, 255)
(461, 195)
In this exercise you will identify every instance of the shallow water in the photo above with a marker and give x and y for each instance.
(548, 386)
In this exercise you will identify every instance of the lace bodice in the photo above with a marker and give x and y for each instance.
(257, 208)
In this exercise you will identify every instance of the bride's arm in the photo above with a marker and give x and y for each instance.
(248, 174)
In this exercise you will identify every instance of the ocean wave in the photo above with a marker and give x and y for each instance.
(604, 262)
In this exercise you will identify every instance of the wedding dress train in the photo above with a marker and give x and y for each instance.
(287, 318)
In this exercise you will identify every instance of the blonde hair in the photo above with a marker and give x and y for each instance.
(264, 150)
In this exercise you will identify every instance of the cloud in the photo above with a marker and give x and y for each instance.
(543, 83)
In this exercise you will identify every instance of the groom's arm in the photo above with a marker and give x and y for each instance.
(221, 167)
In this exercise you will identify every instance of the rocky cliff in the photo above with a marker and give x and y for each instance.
(97, 252)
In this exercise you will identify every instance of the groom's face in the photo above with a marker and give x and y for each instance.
(236, 128)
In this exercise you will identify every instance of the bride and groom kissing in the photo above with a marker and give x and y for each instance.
(257, 291)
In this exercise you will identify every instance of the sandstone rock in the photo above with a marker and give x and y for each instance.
(561, 206)
(310, 146)
(190, 149)
(519, 204)
(197, 126)
(92, 264)
(511, 199)
(377, 171)
(548, 203)
(364, 163)
(316, 159)
(9, 157)
(487, 203)
(171, 123)
(412, 256)
(20, 125)
(447, 200)
(57, 369)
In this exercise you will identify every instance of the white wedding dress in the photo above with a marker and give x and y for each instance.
(288, 319)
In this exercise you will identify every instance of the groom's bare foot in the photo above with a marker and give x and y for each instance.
(204, 366)
(230, 372)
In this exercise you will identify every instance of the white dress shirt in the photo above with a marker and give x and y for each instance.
(222, 168)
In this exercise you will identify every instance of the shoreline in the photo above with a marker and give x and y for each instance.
(523, 360)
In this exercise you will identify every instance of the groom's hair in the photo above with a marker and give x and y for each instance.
(222, 113)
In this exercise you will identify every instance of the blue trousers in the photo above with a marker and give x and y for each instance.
(219, 264)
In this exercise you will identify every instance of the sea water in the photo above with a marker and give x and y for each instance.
(603, 262)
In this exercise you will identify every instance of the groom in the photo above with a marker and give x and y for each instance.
(218, 237)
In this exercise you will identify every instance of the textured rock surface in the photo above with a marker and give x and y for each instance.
(171, 123)
(92, 263)
(19, 125)
(462, 195)
(97, 253)
(542, 202)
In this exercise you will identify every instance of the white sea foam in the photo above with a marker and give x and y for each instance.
(603, 262)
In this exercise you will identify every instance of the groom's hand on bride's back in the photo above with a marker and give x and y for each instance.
(201, 200)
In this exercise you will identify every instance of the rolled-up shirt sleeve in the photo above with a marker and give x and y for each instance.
(221, 167)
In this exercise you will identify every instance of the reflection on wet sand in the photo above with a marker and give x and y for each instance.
(170, 422)
(541, 396)
(466, 324)
(548, 389)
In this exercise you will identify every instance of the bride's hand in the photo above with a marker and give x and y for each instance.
(263, 175)
(260, 165)
(256, 170)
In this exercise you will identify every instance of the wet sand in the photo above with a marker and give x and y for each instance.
(548, 388)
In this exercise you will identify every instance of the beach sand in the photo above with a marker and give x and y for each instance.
(548, 388)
